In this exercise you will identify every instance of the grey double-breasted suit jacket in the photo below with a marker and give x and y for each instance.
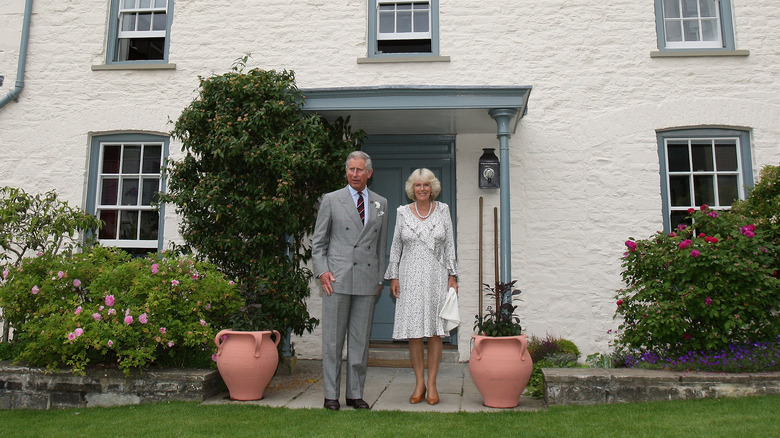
(353, 253)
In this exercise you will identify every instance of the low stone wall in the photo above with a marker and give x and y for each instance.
(35, 388)
(586, 386)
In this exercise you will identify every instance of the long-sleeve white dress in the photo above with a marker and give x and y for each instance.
(422, 257)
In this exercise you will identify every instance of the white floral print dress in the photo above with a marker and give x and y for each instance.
(422, 257)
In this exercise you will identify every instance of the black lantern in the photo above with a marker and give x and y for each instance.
(488, 169)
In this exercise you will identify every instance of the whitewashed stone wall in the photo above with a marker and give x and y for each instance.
(584, 162)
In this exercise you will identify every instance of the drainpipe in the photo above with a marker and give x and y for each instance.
(14, 94)
(503, 119)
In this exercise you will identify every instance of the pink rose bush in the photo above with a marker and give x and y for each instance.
(80, 293)
(709, 283)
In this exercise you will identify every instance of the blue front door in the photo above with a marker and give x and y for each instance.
(394, 158)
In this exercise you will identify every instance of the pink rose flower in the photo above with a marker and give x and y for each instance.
(682, 227)
(162, 330)
(128, 319)
(214, 357)
(142, 318)
(35, 290)
(631, 245)
(170, 344)
(704, 207)
(713, 214)
(110, 343)
(691, 210)
(112, 311)
(686, 336)
(78, 332)
(708, 301)
(203, 323)
(695, 253)
(78, 310)
(5, 274)
(208, 306)
(76, 283)
(619, 302)
(71, 336)
(685, 243)
(155, 268)
(96, 316)
(110, 300)
(175, 282)
(60, 274)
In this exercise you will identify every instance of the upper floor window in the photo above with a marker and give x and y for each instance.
(694, 24)
(403, 27)
(124, 181)
(139, 30)
(702, 166)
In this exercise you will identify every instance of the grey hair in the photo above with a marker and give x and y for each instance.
(424, 175)
(359, 155)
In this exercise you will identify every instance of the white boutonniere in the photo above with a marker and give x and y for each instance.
(377, 206)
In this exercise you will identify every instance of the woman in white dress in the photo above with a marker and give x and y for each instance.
(421, 269)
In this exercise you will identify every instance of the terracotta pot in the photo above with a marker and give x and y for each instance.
(247, 361)
(501, 368)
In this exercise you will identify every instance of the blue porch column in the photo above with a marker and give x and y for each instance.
(503, 117)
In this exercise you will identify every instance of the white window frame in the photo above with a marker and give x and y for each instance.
(96, 186)
(120, 9)
(396, 35)
(375, 37)
(722, 21)
(743, 171)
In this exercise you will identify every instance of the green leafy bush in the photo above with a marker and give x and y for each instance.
(706, 286)
(248, 186)
(102, 307)
(501, 320)
(549, 352)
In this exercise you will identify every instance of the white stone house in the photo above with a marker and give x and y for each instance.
(609, 118)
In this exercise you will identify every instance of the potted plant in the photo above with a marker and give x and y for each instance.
(500, 363)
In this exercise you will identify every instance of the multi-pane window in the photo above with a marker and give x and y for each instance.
(126, 181)
(694, 24)
(702, 170)
(141, 28)
(403, 27)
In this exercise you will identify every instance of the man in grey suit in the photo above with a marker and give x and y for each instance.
(348, 251)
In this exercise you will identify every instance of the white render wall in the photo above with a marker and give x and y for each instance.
(584, 163)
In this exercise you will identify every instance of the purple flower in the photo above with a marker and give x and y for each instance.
(78, 332)
(695, 253)
(96, 316)
(708, 301)
(203, 323)
(5, 274)
(76, 283)
(35, 290)
(128, 319)
(109, 300)
(142, 318)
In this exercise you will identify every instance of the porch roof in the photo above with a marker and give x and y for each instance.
(402, 109)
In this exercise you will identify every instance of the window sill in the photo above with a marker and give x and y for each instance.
(134, 66)
(387, 59)
(695, 53)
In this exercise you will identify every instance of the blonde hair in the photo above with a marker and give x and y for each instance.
(423, 175)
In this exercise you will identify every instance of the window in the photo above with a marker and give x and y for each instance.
(140, 30)
(702, 166)
(694, 24)
(124, 181)
(403, 28)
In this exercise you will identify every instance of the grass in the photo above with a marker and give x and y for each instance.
(727, 417)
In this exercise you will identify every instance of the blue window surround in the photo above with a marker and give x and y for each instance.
(112, 51)
(746, 169)
(726, 28)
(94, 169)
(372, 33)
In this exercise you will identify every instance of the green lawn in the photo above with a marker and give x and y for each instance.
(734, 417)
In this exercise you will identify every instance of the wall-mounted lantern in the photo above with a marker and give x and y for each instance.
(488, 169)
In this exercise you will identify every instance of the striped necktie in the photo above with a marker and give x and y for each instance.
(361, 208)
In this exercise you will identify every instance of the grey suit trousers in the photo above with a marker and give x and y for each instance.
(342, 312)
